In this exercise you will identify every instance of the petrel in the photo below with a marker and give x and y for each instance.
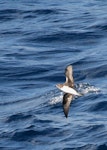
(68, 89)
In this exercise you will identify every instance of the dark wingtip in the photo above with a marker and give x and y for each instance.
(66, 103)
(66, 110)
(66, 115)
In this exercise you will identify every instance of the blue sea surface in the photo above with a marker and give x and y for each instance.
(38, 39)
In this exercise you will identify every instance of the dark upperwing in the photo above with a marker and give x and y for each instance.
(67, 98)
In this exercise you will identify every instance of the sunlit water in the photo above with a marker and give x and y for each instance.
(38, 39)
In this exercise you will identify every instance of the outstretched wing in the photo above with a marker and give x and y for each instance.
(67, 98)
(69, 76)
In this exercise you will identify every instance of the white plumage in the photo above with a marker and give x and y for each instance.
(68, 89)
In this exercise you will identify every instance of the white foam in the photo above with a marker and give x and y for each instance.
(56, 99)
(85, 88)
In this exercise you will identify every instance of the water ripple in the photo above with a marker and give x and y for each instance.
(37, 43)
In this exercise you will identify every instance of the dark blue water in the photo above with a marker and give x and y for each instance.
(38, 39)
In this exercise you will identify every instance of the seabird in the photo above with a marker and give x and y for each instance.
(68, 89)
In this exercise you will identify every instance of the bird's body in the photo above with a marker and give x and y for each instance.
(67, 89)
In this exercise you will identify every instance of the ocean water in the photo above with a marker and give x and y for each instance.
(38, 39)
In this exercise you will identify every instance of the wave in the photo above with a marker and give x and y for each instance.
(63, 36)
(16, 117)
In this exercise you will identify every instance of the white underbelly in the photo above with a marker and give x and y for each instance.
(69, 90)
